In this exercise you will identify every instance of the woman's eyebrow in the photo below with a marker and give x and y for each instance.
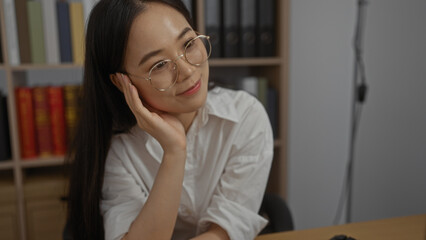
(155, 52)
(184, 31)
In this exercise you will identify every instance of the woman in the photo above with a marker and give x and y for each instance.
(156, 155)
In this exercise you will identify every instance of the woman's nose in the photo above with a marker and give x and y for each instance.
(185, 69)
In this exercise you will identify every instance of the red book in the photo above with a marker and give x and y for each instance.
(71, 95)
(42, 121)
(26, 125)
(57, 119)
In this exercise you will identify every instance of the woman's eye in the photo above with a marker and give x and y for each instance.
(189, 43)
(160, 65)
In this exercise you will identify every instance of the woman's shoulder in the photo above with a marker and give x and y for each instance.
(232, 96)
(237, 100)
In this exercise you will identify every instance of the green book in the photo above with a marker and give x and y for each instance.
(35, 24)
(262, 90)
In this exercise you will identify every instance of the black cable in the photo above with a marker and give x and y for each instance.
(360, 93)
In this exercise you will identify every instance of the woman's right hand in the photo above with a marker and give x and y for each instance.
(165, 128)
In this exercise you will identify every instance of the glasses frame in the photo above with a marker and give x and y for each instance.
(174, 62)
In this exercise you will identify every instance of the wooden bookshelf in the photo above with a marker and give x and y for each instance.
(274, 68)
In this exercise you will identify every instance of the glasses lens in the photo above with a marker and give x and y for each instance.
(198, 50)
(163, 75)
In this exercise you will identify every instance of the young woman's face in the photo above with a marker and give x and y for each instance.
(159, 33)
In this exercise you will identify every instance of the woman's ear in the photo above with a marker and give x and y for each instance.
(115, 79)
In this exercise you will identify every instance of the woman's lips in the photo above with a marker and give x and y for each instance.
(192, 90)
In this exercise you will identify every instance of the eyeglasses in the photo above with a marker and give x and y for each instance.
(164, 74)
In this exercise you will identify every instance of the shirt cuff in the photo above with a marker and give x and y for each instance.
(238, 221)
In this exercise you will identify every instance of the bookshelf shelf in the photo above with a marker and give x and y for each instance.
(16, 75)
(42, 162)
(232, 62)
(26, 67)
(4, 165)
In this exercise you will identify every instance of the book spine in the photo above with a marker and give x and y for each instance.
(77, 31)
(272, 110)
(50, 26)
(248, 28)
(12, 32)
(87, 7)
(263, 91)
(266, 28)
(5, 151)
(25, 112)
(231, 25)
(42, 121)
(64, 31)
(250, 84)
(188, 5)
(35, 23)
(57, 119)
(213, 19)
(23, 31)
(71, 105)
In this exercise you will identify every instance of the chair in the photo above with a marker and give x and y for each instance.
(275, 209)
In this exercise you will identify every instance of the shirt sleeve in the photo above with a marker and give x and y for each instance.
(238, 196)
(122, 198)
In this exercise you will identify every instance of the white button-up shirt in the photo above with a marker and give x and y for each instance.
(229, 155)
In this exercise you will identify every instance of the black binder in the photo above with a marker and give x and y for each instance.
(248, 28)
(231, 36)
(5, 152)
(188, 5)
(266, 28)
(213, 19)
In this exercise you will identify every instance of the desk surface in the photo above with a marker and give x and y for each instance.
(401, 228)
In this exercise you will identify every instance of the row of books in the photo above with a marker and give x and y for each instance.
(258, 87)
(46, 31)
(47, 117)
(241, 28)
(5, 151)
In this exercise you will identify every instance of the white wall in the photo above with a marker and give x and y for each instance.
(390, 166)
(390, 171)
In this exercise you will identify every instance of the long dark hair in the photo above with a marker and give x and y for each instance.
(103, 110)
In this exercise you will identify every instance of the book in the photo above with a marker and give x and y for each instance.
(71, 95)
(188, 5)
(42, 121)
(87, 7)
(26, 123)
(249, 84)
(57, 119)
(231, 36)
(23, 31)
(36, 30)
(77, 31)
(5, 151)
(64, 31)
(213, 24)
(266, 28)
(262, 90)
(50, 26)
(12, 32)
(248, 28)
(272, 110)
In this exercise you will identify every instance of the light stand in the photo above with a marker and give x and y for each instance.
(360, 92)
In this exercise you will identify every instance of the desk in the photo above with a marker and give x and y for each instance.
(401, 228)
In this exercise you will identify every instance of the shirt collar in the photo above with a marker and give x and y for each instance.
(219, 104)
